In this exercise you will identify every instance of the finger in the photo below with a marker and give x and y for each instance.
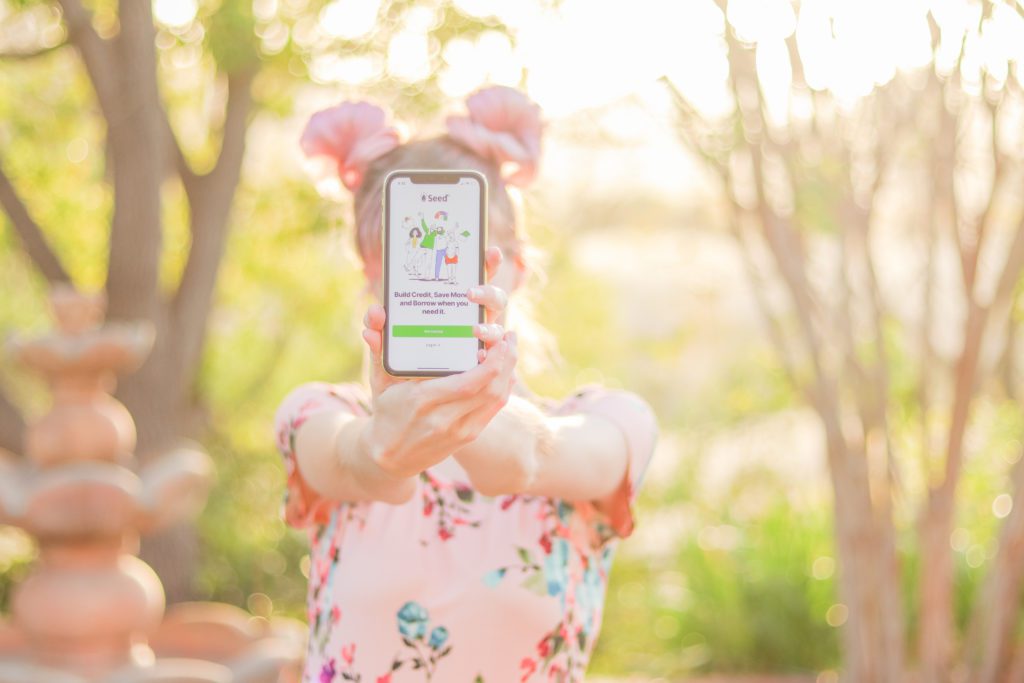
(493, 299)
(502, 384)
(373, 335)
(497, 391)
(463, 386)
(511, 360)
(492, 260)
(373, 330)
(375, 317)
(487, 404)
(489, 333)
(375, 341)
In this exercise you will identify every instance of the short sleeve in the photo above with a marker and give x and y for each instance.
(634, 417)
(302, 505)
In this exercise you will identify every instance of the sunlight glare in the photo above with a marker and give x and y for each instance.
(409, 55)
(701, 40)
(349, 19)
(775, 73)
(589, 53)
(757, 20)
(470, 64)
(580, 54)
(175, 13)
(351, 70)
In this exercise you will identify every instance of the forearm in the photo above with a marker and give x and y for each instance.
(505, 456)
(586, 460)
(522, 450)
(334, 459)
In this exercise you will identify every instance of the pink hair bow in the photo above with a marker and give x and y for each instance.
(504, 125)
(351, 133)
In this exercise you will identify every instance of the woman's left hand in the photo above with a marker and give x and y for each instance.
(494, 299)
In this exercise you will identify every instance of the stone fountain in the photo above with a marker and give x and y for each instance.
(90, 610)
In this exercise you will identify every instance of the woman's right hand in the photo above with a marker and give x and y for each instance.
(417, 423)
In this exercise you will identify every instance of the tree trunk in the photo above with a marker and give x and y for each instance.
(936, 630)
(868, 573)
(990, 650)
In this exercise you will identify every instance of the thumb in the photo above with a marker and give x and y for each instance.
(373, 335)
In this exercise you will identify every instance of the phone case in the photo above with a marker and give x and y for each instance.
(427, 177)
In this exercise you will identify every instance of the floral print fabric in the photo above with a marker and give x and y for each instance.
(455, 586)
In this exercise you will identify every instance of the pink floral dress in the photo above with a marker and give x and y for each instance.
(454, 586)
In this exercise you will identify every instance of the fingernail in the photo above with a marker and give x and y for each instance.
(475, 291)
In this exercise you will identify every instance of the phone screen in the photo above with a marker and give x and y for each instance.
(434, 233)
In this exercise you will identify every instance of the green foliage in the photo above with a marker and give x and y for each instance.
(752, 607)
(230, 36)
(17, 552)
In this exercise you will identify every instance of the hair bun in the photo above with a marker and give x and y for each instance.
(353, 134)
(503, 125)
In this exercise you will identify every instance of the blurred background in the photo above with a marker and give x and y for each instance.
(794, 227)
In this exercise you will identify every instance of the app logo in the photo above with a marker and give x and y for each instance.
(434, 197)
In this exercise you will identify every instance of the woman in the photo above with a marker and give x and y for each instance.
(412, 247)
(461, 528)
(451, 256)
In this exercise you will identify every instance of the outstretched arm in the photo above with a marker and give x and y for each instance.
(572, 457)
(596, 454)
(331, 454)
(320, 429)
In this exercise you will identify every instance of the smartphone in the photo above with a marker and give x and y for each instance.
(435, 232)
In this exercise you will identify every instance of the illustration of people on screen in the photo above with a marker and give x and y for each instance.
(426, 250)
(412, 246)
(440, 242)
(440, 248)
(451, 255)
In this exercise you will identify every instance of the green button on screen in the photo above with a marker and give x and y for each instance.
(432, 330)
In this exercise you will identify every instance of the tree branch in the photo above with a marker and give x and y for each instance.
(978, 317)
(189, 178)
(236, 115)
(32, 238)
(96, 54)
(982, 224)
(210, 204)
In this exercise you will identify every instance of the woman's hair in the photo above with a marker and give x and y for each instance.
(415, 232)
(499, 136)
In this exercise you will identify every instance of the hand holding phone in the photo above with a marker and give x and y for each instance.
(416, 423)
